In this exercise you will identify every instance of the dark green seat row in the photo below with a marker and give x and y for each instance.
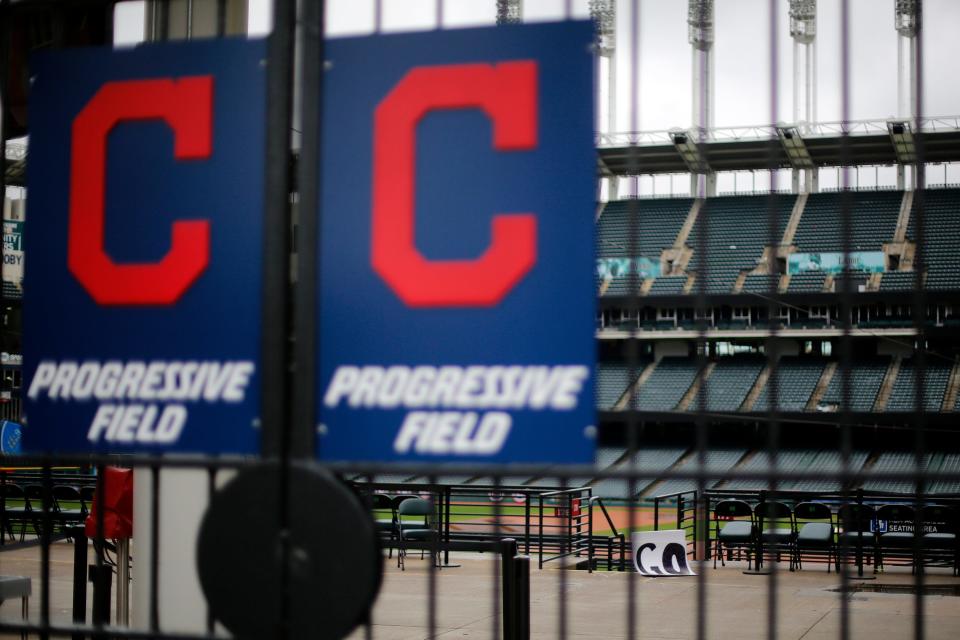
(796, 380)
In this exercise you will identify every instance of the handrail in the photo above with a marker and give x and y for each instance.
(606, 515)
(549, 494)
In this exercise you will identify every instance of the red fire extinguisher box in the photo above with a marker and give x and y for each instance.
(117, 493)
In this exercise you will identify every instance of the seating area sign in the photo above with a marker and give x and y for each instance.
(144, 240)
(457, 291)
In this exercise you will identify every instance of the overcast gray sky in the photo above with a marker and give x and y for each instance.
(742, 53)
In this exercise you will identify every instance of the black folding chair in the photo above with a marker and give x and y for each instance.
(939, 544)
(16, 509)
(69, 505)
(816, 534)
(896, 535)
(387, 527)
(774, 539)
(734, 534)
(412, 529)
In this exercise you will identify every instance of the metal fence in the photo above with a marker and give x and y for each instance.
(560, 520)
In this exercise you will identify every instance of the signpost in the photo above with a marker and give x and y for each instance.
(146, 199)
(457, 290)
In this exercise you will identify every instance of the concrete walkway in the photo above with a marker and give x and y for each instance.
(595, 605)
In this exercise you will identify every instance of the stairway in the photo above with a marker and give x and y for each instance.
(903, 219)
(794, 221)
(624, 402)
(953, 388)
(821, 387)
(887, 387)
(758, 386)
(691, 393)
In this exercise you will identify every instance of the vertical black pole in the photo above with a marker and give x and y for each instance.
(508, 550)
(275, 357)
(305, 317)
(526, 524)
(79, 577)
(522, 575)
(102, 578)
(5, 40)
(449, 498)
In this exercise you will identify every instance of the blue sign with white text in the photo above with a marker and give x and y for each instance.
(142, 296)
(457, 286)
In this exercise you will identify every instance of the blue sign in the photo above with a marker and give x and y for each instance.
(457, 285)
(142, 298)
(10, 438)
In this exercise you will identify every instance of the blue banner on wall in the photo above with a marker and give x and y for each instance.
(832, 262)
(142, 302)
(456, 290)
(609, 268)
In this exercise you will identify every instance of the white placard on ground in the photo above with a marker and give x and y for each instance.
(660, 553)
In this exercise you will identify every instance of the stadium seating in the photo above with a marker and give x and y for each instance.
(650, 461)
(898, 462)
(737, 232)
(718, 463)
(796, 379)
(612, 382)
(809, 282)
(903, 462)
(761, 283)
(897, 281)
(666, 385)
(935, 378)
(873, 221)
(729, 383)
(826, 461)
(950, 464)
(668, 286)
(655, 228)
(941, 210)
(865, 381)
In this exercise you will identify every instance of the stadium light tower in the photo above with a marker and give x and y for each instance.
(604, 15)
(700, 35)
(803, 30)
(907, 22)
(509, 11)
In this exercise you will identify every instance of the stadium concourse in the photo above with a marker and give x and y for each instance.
(596, 604)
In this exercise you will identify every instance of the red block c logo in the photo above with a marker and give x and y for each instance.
(507, 93)
(186, 105)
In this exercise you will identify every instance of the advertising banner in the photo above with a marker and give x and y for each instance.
(608, 268)
(456, 242)
(145, 178)
(832, 262)
(660, 553)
